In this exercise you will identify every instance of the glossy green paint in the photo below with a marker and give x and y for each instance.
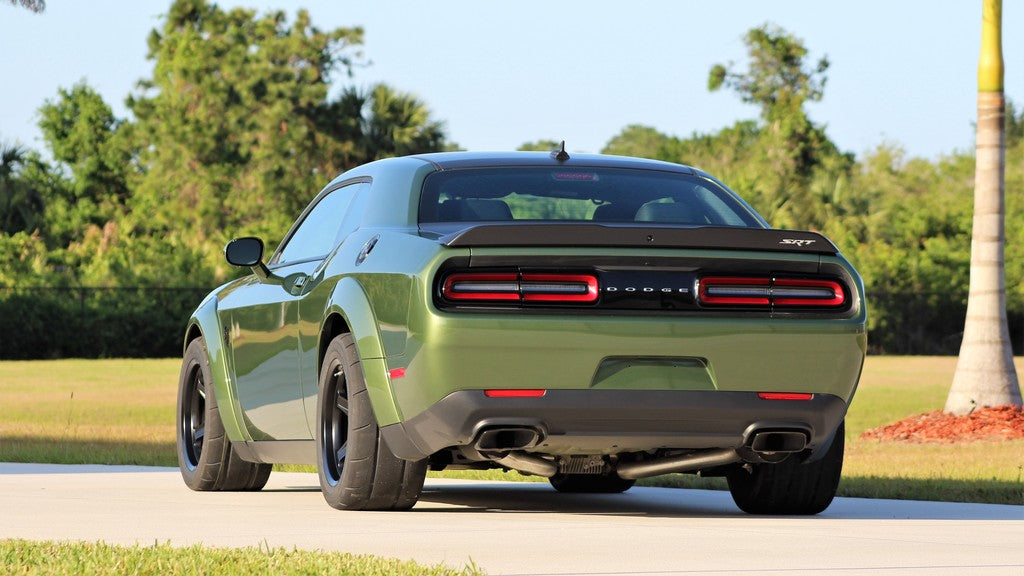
(350, 301)
(457, 351)
(374, 299)
(653, 373)
(494, 351)
(262, 321)
(205, 319)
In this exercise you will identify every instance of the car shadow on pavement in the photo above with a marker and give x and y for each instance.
(675, 502)
(540, 498)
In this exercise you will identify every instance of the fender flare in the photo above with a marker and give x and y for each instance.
(350, 302)
(206, 322)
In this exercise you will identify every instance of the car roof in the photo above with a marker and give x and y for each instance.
(455, 160)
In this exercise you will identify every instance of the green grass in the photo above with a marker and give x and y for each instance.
(45, 558)
(122, 412)
(89, 411)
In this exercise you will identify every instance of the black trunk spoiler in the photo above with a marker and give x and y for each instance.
(635, 236)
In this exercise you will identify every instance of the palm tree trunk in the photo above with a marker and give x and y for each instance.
(985, 375)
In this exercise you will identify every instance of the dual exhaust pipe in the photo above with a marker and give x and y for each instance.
(508, 444)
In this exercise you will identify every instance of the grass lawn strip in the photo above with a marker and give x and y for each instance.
(99, 559)
(122, 412)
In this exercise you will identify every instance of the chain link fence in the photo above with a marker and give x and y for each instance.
(147, 322)
(927, 323)
(69, 322)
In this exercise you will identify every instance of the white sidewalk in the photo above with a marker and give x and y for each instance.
(518, 528)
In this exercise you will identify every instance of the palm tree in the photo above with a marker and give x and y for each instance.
(384, 122)
(985, 375)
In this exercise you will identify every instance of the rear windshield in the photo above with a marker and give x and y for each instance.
(580, 195)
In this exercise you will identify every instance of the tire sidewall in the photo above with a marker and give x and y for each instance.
(346, 492)
(198, 477)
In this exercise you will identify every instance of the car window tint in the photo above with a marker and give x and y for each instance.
(579, 195)
(318, 232)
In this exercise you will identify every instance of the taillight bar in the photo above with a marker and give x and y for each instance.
(559, 287)
(514, 287)
(735, 291)
(739, 291)
(788, 292)
(481, 287)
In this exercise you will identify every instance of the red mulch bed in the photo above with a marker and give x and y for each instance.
(998, 423)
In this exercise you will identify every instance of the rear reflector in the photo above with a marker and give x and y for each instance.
(396, 373)
(784, 396)
(729, 291)
(513, 287)
(515, 393)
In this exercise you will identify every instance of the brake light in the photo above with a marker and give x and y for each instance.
(738, 291)
(513, 287)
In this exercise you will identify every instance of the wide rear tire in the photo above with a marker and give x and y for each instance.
(205, 456)
(791, 486)
(357, 470)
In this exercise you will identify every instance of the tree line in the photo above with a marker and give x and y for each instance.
(237, 127)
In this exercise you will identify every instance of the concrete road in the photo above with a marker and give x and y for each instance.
(513, 528)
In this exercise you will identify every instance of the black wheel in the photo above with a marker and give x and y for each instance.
(590, 483)
(357, 469)
(205, 456)
(792, 486)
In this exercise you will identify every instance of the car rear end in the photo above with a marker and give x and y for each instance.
(632, 317)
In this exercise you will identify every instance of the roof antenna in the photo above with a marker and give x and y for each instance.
(561, 155)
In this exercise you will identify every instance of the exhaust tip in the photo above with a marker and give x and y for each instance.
(778, 442)
(506, 438)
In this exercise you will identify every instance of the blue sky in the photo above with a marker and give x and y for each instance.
(503, 73)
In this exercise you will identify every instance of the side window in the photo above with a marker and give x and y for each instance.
(318, 231)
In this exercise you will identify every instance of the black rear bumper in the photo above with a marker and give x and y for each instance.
(615, 421)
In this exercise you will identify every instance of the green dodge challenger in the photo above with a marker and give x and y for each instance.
(589, 319)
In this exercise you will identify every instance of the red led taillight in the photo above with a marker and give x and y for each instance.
(730, 291)
(515, 393)
(513, 287)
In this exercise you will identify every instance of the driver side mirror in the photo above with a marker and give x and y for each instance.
(247, 251)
